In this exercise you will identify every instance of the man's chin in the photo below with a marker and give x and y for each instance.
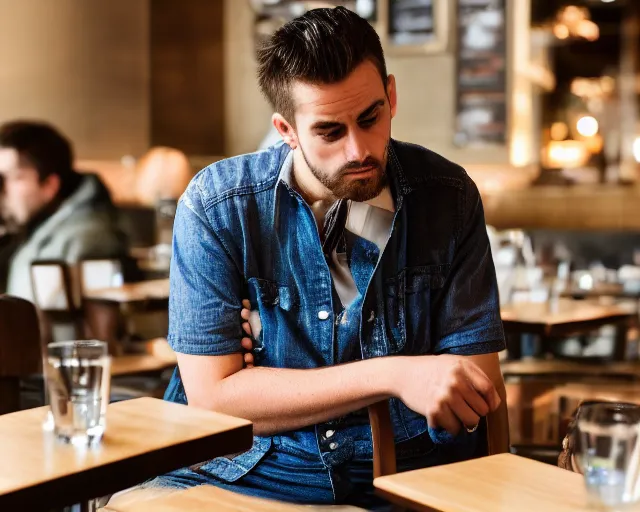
(365, 190)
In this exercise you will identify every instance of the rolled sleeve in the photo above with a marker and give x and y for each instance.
(206, 285)
(468, 316)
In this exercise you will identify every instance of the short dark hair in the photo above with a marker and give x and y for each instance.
(41, 145)
(323, 46)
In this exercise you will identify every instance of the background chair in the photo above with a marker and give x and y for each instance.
(20, 349)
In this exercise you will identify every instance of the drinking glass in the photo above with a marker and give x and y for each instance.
(608, 453)
(78, 380)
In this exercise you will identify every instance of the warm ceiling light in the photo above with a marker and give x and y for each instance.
(587, 126)
(636, 149)
(588, 29)
(559, 130)
(561, 31)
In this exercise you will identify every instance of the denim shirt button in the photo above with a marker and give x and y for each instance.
(329, 433)
(333, 446)
(323, 315)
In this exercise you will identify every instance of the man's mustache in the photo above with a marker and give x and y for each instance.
(367, 163)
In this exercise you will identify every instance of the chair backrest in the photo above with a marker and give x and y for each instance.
(102, 273)
(384, 450)
(56, 293)
(51, 282)
(20, 348)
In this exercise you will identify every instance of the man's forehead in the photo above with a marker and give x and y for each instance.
(9, 159)
(348, 97)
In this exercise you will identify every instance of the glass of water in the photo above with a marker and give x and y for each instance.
(78, 379)
(608, 453)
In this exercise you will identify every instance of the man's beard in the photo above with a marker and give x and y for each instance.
(358, 190)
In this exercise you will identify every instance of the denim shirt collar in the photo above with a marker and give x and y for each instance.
(400, 186)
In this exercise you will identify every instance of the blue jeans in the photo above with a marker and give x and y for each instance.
(289, 473)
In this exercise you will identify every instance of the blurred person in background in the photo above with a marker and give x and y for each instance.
(51, 212)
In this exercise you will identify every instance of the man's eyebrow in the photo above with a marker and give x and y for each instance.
(370, 109)
(325, 125)
(332, 125)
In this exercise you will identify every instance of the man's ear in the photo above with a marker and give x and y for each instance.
(285, 130)
(392, 94)
(51, 186)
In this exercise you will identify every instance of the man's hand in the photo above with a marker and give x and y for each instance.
(247, 342)
(450, 391)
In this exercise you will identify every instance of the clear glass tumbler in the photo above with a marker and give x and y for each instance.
(78, 379)
(608, 453)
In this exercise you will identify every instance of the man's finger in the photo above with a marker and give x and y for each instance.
(483, 385)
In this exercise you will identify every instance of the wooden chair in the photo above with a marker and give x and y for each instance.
(553, 411)
(56, 297)
(20, 349)
(210, 497)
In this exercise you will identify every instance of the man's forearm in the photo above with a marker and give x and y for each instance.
(278, 400)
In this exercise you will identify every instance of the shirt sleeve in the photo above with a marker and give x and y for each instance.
(206, 285)
(468, 313)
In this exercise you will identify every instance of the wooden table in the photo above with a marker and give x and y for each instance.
(555, 409)
(207, 497)
(565, 317)
(560, 368)
(132, 293)
(499, 483)
(104, 308)
(145, 437)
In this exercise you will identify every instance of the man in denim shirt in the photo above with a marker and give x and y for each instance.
(368, 263)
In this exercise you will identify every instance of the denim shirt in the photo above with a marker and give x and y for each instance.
(241, 231)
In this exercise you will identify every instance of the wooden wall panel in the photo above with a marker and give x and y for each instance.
(582, 208)
(187, 82)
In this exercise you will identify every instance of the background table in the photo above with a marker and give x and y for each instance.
(156, 290)
(500, 483)
(145, 437)
(105, 308)
(565, 317)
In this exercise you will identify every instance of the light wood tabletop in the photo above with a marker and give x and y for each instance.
(499, 483)
(207, 497)
(132, 364)
(566, 317)
(143, 291)
(144, 438)
(563, 311)
(557, 367)
(154, 356)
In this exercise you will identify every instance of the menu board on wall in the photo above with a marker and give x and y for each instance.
(271, 15)
(481, 113)
(411, 21)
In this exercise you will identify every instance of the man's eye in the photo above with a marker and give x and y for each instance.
(370, 121)
(333, 134)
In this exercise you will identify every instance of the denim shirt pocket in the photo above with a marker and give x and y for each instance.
(422, 283)
(233, 468)
(408, 306)
(270, 299)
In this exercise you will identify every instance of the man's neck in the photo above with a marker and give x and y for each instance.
(309, 187)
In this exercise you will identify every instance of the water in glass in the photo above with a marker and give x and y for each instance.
(609, 453)
(78, 383)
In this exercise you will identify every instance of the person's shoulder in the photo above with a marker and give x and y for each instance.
(420, 165)
(247, 174)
